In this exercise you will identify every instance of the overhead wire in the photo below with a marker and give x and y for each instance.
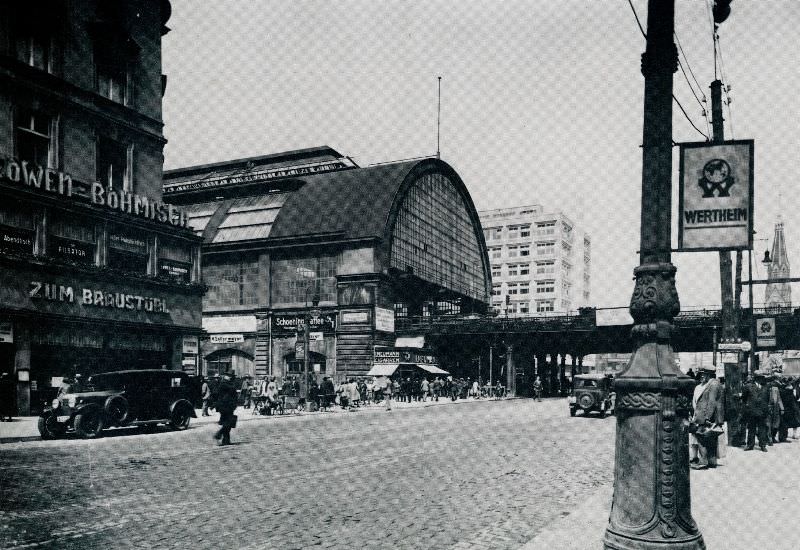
(675, 99)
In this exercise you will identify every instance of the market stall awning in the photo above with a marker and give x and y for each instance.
(383, 369)
(433, 369)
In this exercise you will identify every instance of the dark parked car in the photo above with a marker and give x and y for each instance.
(122, 398)
(591, 392)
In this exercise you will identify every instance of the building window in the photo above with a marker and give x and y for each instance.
(33, 138)
(524, 288)
(34, 49)
(525, 269)
(175, 260)
(525, 231)
(296, 281)
(545, 249)
(17, 229)
(545, 268)
(230, 360)
(512, 251)
(566, 247)
(513, 270)
(545, 287)
(513, 289)
(497, 289)
(495, 271)
(127, 250)
(72, 239)
(565, 305)
(524, 307)
(524, 250)
(112, 165)
(495, 253)
(233, 283)
(511, 308)
(544, 306)
(513, 232)
(545, 228)
(493, 233)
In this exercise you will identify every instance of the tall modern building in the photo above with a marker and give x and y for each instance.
(540, 261)
(97, 273)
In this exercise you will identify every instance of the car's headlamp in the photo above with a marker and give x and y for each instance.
(55, 404)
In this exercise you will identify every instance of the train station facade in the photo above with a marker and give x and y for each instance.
(308, 236)
(97, 272)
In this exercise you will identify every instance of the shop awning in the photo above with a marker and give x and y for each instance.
(383, 369)
(432, 369)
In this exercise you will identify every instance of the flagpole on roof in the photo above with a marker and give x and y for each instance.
(438, 117)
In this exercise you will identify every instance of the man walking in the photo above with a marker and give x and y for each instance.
(537, 388)
(226, 405)
(708, 417)
(205, 394)
(755, 401)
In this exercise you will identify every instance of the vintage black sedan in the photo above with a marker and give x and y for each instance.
(123, 398)
(591, 392)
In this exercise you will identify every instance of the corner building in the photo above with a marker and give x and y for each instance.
(284, 232)
(97, 273)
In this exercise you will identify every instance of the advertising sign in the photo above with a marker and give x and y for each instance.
(14, 239)
(299, 351)
(387, 356)
(175, 271)
(384, 319)
(290, 324)
(190, 345)
(226, 338)
(69, 249)
(765, 332)
(354, 317)
(716, 196)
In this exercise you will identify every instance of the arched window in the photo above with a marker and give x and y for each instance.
(230, 360)
(316, 363)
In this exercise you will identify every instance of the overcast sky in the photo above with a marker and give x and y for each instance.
(541, 103)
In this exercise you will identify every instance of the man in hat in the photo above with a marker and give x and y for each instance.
(755, 402)
(226, 405)
(708, 417)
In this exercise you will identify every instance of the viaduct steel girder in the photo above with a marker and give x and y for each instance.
(580, 333)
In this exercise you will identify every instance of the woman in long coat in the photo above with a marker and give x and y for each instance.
(775, 410)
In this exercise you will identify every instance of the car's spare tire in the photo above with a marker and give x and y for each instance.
(89, 423)
(117, 409)
(586, 401)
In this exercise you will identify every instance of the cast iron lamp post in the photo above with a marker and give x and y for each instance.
(651, 506)
(306, 337)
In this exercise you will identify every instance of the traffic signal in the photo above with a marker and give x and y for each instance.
(722, 9)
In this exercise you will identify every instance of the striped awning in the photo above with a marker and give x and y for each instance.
(383, 369)
(433, 369)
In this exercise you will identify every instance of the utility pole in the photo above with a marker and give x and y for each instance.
(651, 507)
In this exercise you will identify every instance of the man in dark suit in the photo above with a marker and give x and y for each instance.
(708, 416)
(226, 405)
(755, 401)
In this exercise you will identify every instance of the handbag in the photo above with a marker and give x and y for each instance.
(234, 420)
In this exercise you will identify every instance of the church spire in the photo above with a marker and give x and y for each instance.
(778, 294)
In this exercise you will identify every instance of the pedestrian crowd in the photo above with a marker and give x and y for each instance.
(770, 409)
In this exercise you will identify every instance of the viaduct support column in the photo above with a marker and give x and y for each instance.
(511, 382)
(651, 508)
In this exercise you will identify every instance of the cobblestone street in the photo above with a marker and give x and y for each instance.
(466, 475)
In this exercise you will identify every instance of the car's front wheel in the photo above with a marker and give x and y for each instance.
(89, 424)
(50, 427)
(181, 417)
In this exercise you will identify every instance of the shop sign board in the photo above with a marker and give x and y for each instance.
(191, 345)
(716, 196)
(15, 239)
(226, 338)
(176, 271)
(384, 319)
(765, 332)
(316, 336)
(47, 181)
(291, 324)
(39, 290)
(70, 249)
(387, 356)
(128, 243)
(6, 332)
(391, 356)
(355, 317)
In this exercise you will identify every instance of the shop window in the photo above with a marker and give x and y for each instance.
(33, 138)
(127, 250)
(17, 230)
(113, 169)
(230, 360)
(175, 260)
(71, 239)
(316, 363)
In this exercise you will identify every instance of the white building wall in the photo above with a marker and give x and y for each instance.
(541, 262)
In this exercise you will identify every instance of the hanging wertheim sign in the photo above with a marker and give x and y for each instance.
(716, 196)
(45, 180)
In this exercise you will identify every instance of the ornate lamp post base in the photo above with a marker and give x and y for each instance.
(651, 507)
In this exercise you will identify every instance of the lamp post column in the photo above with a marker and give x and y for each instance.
(651, 506)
